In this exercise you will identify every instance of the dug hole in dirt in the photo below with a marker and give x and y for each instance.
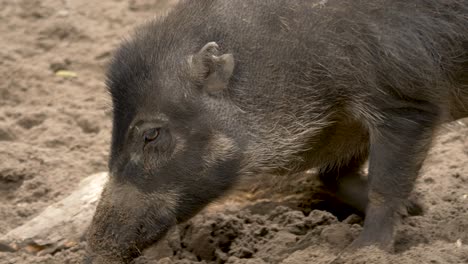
(55, 130)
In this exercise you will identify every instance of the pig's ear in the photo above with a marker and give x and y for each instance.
(211, 70)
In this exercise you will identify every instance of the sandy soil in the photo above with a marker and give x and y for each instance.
(54, 131)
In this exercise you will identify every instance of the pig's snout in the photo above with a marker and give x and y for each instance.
(127, 221)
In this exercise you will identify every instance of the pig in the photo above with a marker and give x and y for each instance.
(218, 91)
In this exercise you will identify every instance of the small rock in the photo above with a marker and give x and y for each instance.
(63, 13)
(458, 243)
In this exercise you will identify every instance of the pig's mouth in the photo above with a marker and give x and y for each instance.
(146, 235)
(133, 251)
(148, 240)
(130, 245)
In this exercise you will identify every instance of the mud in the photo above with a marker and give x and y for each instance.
(55, 131)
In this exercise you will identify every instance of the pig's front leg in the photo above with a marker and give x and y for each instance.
(398, 146)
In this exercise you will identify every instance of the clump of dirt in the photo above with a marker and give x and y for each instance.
(55, 131)
(245, 236)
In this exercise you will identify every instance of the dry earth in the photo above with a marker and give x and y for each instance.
(54, 131)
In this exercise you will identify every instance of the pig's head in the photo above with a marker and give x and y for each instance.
(173, 149)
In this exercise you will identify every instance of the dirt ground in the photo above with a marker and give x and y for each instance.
(55, 131)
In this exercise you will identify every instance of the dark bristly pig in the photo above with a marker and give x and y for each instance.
(220, 90)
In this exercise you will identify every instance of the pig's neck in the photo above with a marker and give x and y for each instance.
(277, 142)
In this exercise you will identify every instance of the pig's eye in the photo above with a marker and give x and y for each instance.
(151, 134)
